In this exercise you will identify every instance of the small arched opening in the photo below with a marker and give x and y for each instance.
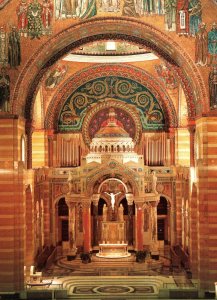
(163, 220)
(62, 221)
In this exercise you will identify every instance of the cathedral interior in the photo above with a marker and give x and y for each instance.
(108, 152)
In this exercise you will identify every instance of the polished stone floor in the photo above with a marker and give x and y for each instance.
(121, 278)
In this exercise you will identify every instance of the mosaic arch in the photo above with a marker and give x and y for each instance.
(97, 90)
(122, 28)
(131, 75)
(127, 114)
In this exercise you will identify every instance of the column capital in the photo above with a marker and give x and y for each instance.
(139, 205)
(130, 198)
(71, 204)
(72, 198)
(154, 203)
(95, 199)
(86, 204)
(151, 197)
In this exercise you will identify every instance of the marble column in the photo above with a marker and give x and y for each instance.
(72, 229)
(86, 226)
(130, 218)
(95, 199)
(154, 238)
(172, 226)
(154, 221)
(191, 129)
(139, 226)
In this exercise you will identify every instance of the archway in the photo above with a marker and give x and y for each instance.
(62, 223)
(112, 219)
(106, 28)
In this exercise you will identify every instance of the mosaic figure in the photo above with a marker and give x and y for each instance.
(66, 8)
(47, 14)
(75, 9)
(14, 53)
(213, 88)
(159, 7)
(194, 8)
(167, 76)
(139, 7)
(149, 6)
(22, 17)
(4, 90)
(34, 20)
(129, 9)
(109, 6)
(170, 15)
(201, 49)
(87, 9)
(3, 46)
(55, 76)
(182, 17)
(212, 44)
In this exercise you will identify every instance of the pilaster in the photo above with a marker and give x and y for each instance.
(206, 201)
(12, 204)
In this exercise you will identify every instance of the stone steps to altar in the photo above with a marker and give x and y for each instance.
(113, 288)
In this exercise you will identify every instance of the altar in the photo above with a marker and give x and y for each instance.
(113, 242)
(113, 250)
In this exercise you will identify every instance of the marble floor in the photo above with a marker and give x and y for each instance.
(121, 278)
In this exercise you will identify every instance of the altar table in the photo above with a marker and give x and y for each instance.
(113, 250)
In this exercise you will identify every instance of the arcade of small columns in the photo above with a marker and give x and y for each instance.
(149, 200)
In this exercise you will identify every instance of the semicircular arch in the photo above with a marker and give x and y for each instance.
(135, 74)
(104, 172)
(109, 28)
